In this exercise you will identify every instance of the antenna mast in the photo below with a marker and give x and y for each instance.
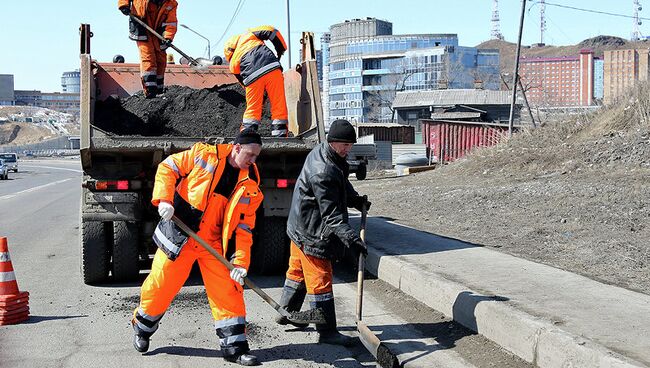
(496, 32)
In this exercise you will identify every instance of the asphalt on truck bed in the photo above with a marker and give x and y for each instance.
(180, 112)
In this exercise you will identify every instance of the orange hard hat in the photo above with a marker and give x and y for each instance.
(230, 46)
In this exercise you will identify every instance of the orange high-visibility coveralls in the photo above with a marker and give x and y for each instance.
(259, 70)
(225, 223)
(153, 58)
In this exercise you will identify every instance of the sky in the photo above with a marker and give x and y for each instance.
(41, 38)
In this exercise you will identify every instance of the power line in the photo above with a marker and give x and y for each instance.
(590, 10)
(239, 7)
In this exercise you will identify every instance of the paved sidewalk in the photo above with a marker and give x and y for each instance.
(547, 316)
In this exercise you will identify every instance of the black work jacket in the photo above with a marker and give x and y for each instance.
(318, 219)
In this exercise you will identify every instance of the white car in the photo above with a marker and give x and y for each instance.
(11, 160)
(4, 170)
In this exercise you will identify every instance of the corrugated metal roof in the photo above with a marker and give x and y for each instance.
(447, 97)
(455, 115)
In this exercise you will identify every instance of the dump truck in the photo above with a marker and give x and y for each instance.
(117, 218)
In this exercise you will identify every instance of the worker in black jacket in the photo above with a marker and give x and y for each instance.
(319, 230)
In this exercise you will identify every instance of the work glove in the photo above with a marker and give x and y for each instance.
(358, 201)
(164, 44)
(125, 10)
(359, 246)
(238, 275)
(165, 210)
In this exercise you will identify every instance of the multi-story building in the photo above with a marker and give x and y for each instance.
(366, 65)
(62, 102)
(559, 81)
(71, 82)
(622, 69)
(324, 82)
(6, 89)
(599, 80)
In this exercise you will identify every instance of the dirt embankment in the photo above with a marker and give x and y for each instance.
(181, 111)
(574, 194)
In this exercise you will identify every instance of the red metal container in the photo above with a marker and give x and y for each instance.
(448, 141)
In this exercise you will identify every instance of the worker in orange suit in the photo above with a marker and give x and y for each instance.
(259, 70)
(160, 15)
(214, 190)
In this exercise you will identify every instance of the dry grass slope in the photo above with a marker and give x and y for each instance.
(573, 194)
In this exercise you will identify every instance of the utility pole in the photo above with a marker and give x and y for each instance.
(515, 74)
(288, 35)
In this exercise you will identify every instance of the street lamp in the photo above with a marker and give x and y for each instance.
(198, 34)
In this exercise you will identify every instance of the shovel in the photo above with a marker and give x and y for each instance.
(198, 63)
(308, 316)
(385, 358)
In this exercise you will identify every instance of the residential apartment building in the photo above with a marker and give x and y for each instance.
(566, 81)
(364, 65)
(622, 69)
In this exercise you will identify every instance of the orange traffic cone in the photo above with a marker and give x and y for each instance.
(14, 304)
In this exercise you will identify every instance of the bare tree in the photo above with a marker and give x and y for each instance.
(377, 101)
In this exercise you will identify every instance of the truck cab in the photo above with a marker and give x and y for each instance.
(11, 161)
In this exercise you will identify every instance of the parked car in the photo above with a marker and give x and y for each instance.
(11, 160)
(4, 170)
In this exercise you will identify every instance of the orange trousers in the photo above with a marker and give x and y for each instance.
(316, 273)
(153, 62)
(226, 297)
(273, 84)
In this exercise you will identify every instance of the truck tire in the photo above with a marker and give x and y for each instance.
(94, 252)
(270, 250)
(362, 171)
(125, 251)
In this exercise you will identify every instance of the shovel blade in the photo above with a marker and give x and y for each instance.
(385, 358)
(315, 315)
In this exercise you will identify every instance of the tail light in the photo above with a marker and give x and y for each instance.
(285, 183)
(113, 185)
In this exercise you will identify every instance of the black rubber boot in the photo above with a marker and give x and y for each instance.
(291, 300)
(243, 359)
(150, 92)
(141, 343)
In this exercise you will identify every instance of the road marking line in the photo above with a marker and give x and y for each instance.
(34, 189)
(53, 167)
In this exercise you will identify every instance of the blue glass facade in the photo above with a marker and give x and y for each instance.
(363, 72)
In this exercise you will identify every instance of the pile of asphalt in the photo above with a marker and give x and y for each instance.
(180, 112)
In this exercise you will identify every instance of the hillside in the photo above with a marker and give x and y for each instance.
(573, 194)
(598, 44)
(45, 124)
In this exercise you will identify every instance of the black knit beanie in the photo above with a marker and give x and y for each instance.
(342, 131)
(247, 136)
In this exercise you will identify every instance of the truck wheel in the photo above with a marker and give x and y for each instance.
(125, 251)
(94, 252)
(362, 171)
(269, 253)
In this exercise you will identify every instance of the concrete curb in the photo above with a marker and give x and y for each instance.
(531, 338)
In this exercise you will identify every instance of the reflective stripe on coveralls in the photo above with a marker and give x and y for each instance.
(231, 330)
(145, 325)
(279, 128)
